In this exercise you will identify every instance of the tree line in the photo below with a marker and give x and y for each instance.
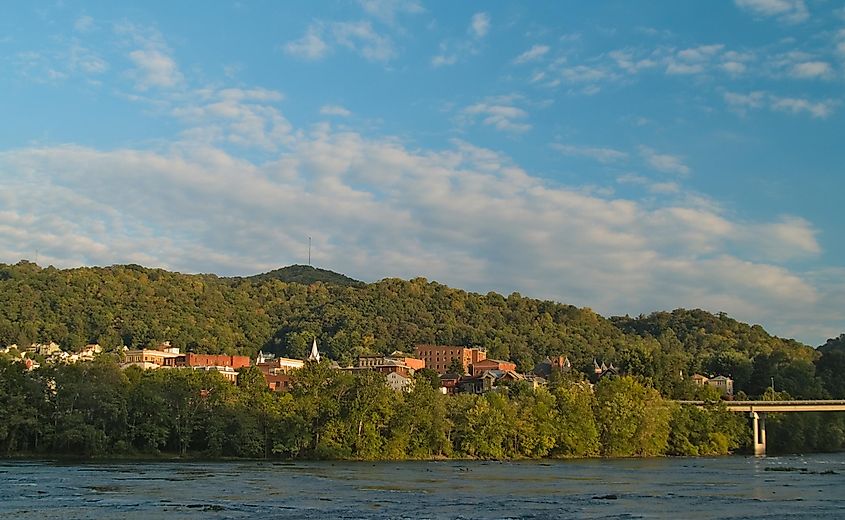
(95, 409)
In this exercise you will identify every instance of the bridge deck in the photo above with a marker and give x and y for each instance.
(779, 406)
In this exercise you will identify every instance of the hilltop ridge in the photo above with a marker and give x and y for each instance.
(306, 274)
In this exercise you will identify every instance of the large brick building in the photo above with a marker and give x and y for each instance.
(439, 357)
(213, 360)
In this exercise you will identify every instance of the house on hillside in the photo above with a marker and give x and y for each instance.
(699, 379)
(545, 368)
(488, 380)
(400, 383)
(724, 384)
(602, 371)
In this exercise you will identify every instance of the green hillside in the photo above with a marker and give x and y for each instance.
(306, 274)
(135, 306)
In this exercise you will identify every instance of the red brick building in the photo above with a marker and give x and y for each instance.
(279, 382)
(439, 357)
(491, 364)
(214, 360)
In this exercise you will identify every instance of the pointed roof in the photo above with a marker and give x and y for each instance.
(315, 354)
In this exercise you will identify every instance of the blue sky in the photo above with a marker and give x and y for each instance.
(623, 156)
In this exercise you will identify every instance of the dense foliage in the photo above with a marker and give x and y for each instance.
(97, 409)
(134, 306)
(305, 274)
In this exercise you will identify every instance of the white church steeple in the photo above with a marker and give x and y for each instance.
(315, 354)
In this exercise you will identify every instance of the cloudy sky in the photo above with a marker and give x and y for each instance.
(623, 156)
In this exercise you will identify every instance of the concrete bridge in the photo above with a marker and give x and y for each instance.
(758, 410)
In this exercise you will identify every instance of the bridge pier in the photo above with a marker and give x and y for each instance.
(758, 421)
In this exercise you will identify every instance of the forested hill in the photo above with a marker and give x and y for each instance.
(135, 306)
(834, 344)
(306, 274)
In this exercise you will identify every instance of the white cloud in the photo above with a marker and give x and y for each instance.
(694, 60)
(444, 59)
(626, 61)
(388, 10)
(246, 118)
(83, 24)
(85, 60)
(790, 11)
(310, 47)
(787, 239)
(664, 162)
(811, 69)
(734, 67)
(154, 65)
(334, 110)
(362, 38)
(155, 68)
(500, 113)
(684, 68)
(742, 102)
(700, 53)
(479, 26)
(817, 109)
(359, 37)
(534, 53)
(602, 155)
(760, 99)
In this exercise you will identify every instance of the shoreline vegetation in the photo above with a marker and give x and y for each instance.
(96, 409)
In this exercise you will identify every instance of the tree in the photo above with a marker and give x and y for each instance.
(632, 419)
(456, 367)
(577, 432)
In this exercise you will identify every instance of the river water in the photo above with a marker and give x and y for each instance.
(678, 488)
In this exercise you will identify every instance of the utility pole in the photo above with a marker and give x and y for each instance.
(309, 251)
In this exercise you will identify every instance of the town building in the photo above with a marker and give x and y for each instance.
(488, 380)
(397, 357)
(491, 364)
(699, 379)
(449, 383)
(228, 373)
(399, 382)
(279, 365)
(549, 365)
(89, 351)
(602, 371)
(278, 371)
(212, 360)
(279, 382)
(725, 385)
(439, 357)
(149, 358)
(44, 349)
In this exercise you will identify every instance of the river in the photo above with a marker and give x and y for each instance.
(810, 486)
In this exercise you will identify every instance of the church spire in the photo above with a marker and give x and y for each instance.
(315, 354)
